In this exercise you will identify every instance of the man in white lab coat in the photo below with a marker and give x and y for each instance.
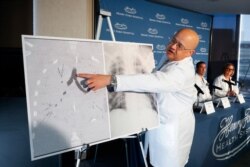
(224, 81)
(201, 82)
(170, 144)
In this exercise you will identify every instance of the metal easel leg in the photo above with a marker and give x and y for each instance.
(111, 29)
(99, 27)
(80, 151)
(78, 158)
(126, 150)
(146, 145)
(107, 15)
(142, 150)
(96, 149)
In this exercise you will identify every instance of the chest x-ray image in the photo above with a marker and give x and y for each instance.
(139, 109)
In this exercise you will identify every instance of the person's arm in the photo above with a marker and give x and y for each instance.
(218, 83)
(235, 90)
(154, 82)
(205, 89)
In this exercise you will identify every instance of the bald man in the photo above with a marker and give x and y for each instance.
(170, 144)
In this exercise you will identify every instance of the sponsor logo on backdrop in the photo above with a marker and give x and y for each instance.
(200, 37)
(159, 18)
(152, 33)
(184, 23)
(121, 29)
(120, 26)
(232, 137)
(129, 12)
(203, 26)
(160, 48)
(196, 61)
(202, 51)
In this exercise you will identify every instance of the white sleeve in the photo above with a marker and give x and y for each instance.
(218, 82)
(155, 82)
(235, 89)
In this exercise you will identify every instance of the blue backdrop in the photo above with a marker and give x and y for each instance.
(147, 22)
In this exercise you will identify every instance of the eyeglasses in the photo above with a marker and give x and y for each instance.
(230, 69)
(179, 45)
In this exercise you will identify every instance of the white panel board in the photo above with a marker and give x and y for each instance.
(62, 114)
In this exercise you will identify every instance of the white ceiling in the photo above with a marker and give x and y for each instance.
(211, 6)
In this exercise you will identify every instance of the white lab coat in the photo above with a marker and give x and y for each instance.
(225, 88)
(203, 85)
(170, 144)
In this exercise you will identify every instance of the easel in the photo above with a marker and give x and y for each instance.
(83, 149)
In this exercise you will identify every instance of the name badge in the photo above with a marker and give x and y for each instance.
(240, 98)
(209, 107)
(225, 102)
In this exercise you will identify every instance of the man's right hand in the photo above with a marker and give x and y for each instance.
(95, 81)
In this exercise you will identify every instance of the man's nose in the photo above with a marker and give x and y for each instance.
(173, 45)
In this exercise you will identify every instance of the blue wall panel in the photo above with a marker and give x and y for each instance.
(146, 22)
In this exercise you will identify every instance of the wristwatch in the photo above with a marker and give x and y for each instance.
(113, 84)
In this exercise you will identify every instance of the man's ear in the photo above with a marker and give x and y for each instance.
(192, 52)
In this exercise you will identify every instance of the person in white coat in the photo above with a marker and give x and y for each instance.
(170, 144)
(224, 81)
(201, 82)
